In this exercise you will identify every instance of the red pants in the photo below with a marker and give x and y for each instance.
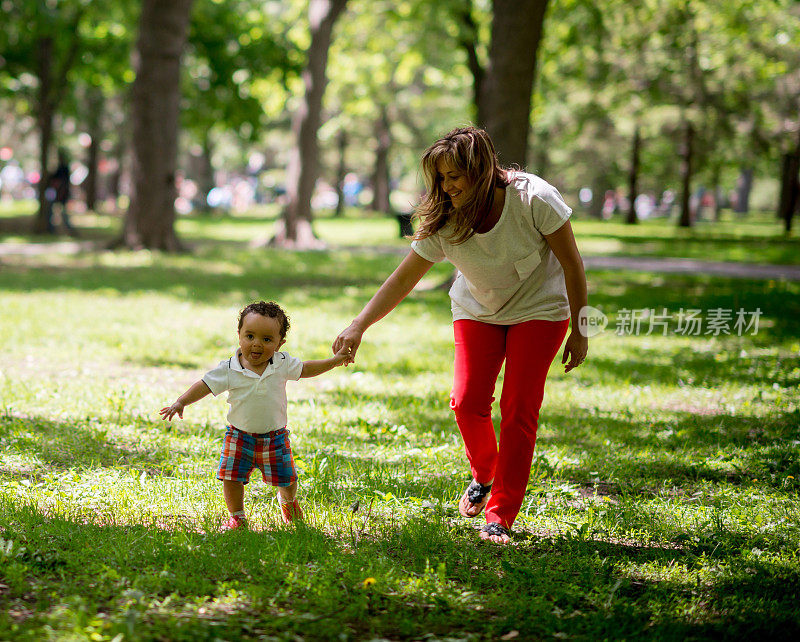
(528, 349)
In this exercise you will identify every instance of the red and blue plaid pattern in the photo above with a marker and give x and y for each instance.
(271, 453)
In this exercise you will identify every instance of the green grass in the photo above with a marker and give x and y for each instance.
(663, 500)
(755, 238)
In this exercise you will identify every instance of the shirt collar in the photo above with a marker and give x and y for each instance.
(238, 367)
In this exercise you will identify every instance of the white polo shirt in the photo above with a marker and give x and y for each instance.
(509, 274)
(257, 403)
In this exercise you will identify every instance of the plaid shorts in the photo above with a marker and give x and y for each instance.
(271, 453)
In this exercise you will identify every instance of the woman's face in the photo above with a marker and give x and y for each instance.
(453, 181)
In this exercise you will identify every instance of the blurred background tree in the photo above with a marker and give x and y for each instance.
(48, 63)
(633, 109)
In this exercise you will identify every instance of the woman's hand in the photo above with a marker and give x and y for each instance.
(348, 340)
(575, 350)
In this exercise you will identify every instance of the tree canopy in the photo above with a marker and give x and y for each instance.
(642, 96)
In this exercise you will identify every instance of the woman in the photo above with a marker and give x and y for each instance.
(520, 281)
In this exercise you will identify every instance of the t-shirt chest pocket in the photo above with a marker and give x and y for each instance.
(526, 265)
(503, 274)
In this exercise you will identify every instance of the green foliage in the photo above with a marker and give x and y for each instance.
(90, 44)
(654, 65)
(662, 503)
(605, 70)
(425, 73)
(236, 57)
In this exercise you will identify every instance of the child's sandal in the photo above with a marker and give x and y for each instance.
(476, 495)
(235, 522)
(291, 511)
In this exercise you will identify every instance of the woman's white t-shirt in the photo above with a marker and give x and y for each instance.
(509, 274)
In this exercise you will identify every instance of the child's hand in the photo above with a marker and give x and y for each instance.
(168, 412)
(344, 356)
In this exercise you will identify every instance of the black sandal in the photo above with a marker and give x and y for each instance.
(494, 528)
(476, 494)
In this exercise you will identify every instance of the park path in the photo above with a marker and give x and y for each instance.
(694, 266)
(592, 262)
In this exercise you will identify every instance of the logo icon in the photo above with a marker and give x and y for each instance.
(591, 321)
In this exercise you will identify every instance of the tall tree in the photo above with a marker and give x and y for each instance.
(236, 54)
(393, 85)
(98, 83)
(41, 40)
(504, 106)
(789, 201)
(380, 177)
(503, 79)
(155, 98)
(302, 172)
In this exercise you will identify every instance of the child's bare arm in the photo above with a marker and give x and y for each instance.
(314, 368)
(196, 392)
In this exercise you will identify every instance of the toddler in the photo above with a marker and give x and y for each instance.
(256, 437)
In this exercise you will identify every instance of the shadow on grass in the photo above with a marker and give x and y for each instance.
(193, 283)
(409, 580)
(218, 269)
(78, 444)
(684, 447)
(675, 430)
(725, 245)
(212, 273)
(689, 367)
(778, 300)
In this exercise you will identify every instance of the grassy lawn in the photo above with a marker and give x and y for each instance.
(662, 504)
(756, 238)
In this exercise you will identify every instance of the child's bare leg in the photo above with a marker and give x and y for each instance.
(233, 492)
(287, 494)
(290, 508)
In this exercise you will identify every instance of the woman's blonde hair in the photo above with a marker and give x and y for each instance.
(468, 150)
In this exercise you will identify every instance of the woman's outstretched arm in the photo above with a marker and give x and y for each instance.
(393, 290)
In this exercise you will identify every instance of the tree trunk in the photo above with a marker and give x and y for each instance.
(790, 189)
(541, 155)
(302, 170)
(206, 172)
(52, 86)
(95, 115)
(743, 186)
(115, 177)
(633, 177)
(505, 101)
(155, 96)
(686, 175)
(44, 117)
(716, 190)
(341, 172)
(118, 121)
(468, 39)
(600, 184)
(380, 177)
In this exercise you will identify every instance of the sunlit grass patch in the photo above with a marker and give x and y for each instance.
(662, 502)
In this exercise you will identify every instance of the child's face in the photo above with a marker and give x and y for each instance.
(259, 338)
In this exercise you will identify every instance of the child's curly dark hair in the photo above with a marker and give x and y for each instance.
(267, 309)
